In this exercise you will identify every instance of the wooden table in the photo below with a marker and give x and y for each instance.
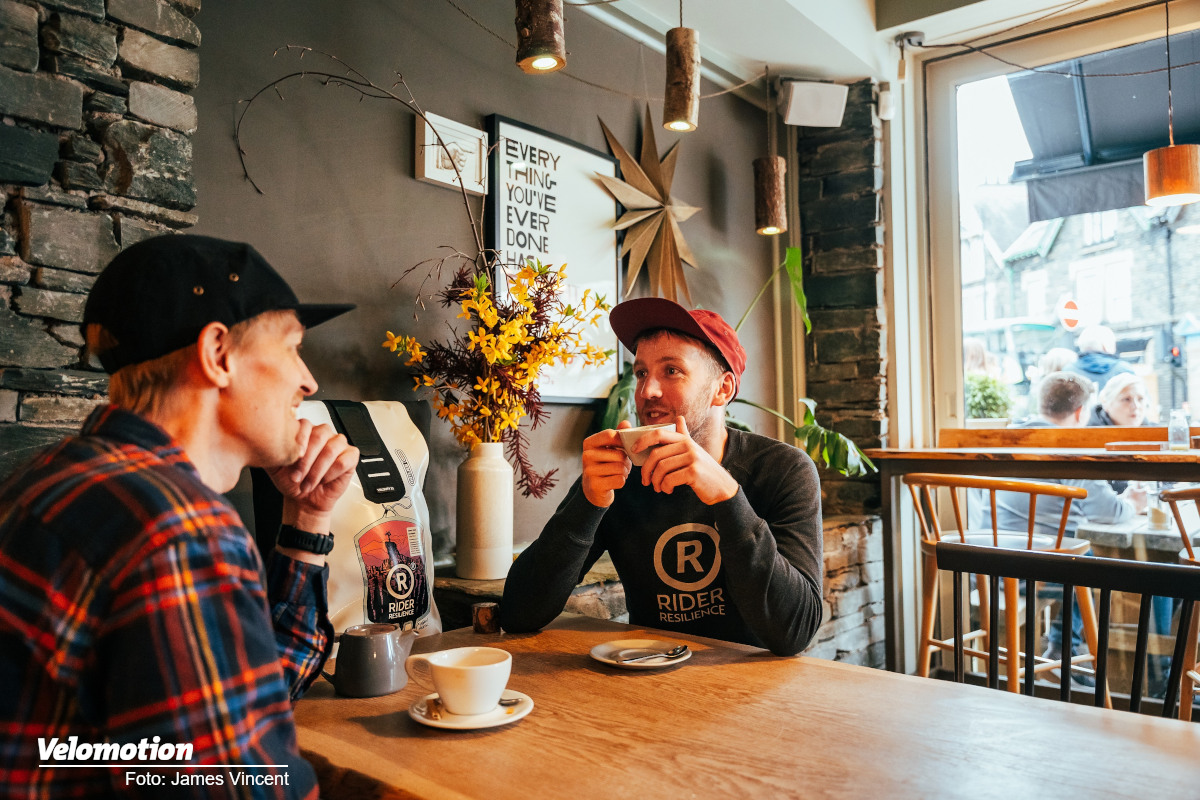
(1043, 461)
(734, 721)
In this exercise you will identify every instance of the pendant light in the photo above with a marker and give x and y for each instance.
(681, 106)
(541, 46)
(1173, 172)
(770, 208)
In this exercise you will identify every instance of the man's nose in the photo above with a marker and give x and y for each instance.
(649, 387)
(308, 384)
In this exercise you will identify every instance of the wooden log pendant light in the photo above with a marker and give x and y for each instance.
(541, 46)
(1172, 173)
(681, 105)
(770, 207)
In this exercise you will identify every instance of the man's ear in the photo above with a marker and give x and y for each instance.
(726, 389)
(213, 346)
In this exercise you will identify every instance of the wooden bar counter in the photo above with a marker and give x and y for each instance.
(734, 721)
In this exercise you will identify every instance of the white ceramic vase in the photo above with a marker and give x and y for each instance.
(485, 514)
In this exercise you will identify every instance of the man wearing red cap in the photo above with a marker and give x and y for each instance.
(139, 628)
(717, 534)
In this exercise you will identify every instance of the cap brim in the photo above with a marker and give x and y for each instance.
(313, 314)
(631, 318)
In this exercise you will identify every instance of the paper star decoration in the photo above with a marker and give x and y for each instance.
(652, 217)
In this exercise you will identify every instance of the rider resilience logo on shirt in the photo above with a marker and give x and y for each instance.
(687, 558)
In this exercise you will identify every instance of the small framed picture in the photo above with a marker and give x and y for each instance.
(465, 148)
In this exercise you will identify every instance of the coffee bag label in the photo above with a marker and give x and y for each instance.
(393, 567)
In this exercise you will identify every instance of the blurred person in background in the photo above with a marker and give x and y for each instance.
(1122, 401)
(1098, 361)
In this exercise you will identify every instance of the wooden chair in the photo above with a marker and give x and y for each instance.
(1190, 681)
(1107, 575)
(922, 485)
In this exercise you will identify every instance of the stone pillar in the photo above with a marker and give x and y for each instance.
(841, 183)
(95, 154)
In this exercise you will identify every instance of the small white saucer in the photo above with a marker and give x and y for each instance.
(500, 715)
(610, 652)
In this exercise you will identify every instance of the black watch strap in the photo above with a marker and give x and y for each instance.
(318, 543)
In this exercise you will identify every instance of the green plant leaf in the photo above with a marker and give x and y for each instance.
(793, 262)
(622, 403)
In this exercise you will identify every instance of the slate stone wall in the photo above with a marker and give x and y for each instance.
(95, 154)
(841, 183)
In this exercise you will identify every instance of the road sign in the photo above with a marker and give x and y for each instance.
(1068, 314)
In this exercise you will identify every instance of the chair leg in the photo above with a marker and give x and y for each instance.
(1088, 611)
(1012, 626)
(928, 609)
(1187, 685)
(985, 610)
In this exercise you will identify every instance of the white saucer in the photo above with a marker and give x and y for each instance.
(500, 715)
(609, 652)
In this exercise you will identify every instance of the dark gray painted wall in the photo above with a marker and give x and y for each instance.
(343, 216)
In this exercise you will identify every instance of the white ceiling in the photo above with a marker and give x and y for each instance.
(820, 39)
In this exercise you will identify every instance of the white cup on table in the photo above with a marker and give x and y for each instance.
(468, 680)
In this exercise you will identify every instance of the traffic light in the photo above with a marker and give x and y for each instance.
(1176, 357)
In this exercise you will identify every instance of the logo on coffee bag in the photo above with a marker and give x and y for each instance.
(393, 565)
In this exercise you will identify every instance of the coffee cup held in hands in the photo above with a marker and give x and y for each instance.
(629, 437)
(468, 680)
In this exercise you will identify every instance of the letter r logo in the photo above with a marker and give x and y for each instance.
(687, 553)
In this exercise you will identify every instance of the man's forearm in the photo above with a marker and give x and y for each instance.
(541, 580)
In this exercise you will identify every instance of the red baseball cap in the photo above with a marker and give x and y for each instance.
(633, 317)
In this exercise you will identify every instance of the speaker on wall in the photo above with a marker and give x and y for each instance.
(813, 104)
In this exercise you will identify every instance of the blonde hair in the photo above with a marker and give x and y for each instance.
(142, 388)
(1117, 384)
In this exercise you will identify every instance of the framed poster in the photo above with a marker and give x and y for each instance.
(465, 148)
(545, 202)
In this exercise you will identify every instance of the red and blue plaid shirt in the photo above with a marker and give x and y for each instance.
(134, 605)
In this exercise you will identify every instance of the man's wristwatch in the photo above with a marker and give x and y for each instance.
(319, 543)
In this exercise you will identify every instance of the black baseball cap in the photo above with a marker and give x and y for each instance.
(157, 295)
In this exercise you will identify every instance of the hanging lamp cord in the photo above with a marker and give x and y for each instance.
(1170, 105)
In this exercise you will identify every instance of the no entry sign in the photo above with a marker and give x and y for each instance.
(1068, 314)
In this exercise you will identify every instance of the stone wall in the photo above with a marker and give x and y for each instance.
(95, 154)
(841, 183)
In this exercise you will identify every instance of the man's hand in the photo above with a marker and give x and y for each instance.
(678, 460)
(312, 485)
(1135, 494)
(605, 466)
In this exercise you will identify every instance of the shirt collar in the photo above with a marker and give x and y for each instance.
(112, 422)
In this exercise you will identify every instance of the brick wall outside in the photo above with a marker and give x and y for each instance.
(95, 154)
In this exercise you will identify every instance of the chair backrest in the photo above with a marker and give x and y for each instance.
(1175, 497)
(921, 485)
(1107, 575)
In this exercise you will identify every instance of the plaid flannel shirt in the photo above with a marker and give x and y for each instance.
(133, 606)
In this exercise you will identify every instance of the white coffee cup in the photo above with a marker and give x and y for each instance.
(629, 437)
(468, 680)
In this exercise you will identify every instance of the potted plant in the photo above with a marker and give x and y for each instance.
(988, 401)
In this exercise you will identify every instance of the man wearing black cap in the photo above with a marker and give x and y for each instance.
(717, 534)
(134, 607)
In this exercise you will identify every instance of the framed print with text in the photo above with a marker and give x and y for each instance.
(545, 202)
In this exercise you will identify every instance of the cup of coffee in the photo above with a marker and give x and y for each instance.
(369, 660)
(468, 680)
(629, 437)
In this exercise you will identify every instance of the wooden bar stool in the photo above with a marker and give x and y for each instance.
(1190, 682)
(922, 486)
